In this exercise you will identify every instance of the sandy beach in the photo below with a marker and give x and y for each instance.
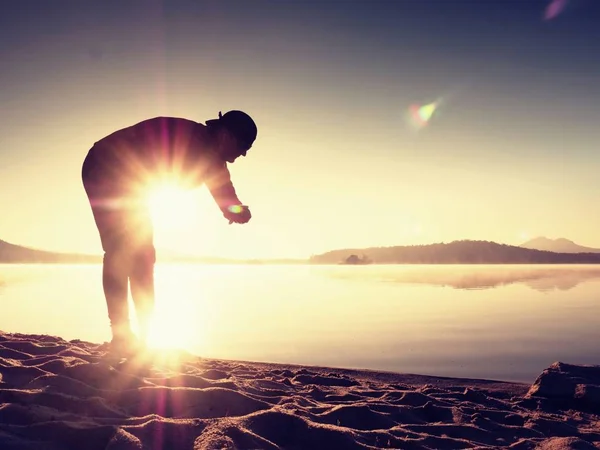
(57, 394)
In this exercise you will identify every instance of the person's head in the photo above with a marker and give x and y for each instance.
(233, 134)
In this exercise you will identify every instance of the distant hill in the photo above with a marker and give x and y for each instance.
(458, 252)
(560, 245)
(15, 254)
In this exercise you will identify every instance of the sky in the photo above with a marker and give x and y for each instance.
(510, 153)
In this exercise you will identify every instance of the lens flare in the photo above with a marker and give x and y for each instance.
(420, 115)
(236, 209)
(554, 9)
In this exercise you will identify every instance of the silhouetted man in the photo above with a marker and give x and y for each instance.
(117, 173)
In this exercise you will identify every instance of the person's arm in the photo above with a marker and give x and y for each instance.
(221, 188)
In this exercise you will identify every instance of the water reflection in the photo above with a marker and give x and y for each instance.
(541, 278)
(440, 320)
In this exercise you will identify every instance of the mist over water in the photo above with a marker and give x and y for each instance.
(499, 322)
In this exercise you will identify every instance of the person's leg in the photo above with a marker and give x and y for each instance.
(115, 269)
(110, 221)
(141, 279)
(141, 270)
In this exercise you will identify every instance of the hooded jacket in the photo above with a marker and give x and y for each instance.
(126, 163)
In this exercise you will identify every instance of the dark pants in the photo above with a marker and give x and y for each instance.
(126, 234)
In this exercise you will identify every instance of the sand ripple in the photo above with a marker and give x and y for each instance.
(61, 395)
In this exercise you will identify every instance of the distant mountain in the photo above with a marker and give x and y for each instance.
(560, 245)
(16, 254)
(458, 252)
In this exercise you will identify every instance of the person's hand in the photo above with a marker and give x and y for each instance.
(237, 214)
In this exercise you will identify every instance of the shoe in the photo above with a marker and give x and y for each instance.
(125, 345)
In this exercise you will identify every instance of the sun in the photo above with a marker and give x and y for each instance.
(171, 207)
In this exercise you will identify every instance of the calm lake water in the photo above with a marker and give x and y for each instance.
(499, 322)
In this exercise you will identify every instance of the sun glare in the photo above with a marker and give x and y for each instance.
(168, 333)
(168, 338)
(171, 207)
